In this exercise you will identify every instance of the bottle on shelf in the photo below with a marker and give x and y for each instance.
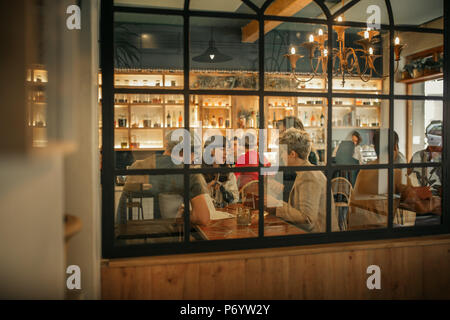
(180, 120)
(257, 119)
(274, 120)
(213, 121)
(169, 121)
(174, 120)
(251, 121)
(322, 120)
(227, 123)
(313, 120)
(305, 122)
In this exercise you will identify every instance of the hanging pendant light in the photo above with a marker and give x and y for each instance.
(212, 54)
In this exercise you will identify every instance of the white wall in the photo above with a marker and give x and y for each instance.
(31, 228)
(82, 173)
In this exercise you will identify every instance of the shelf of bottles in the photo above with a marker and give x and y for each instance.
(356, 113)
(146, 78)
(310, 111)
(141, 121)
(37, 78)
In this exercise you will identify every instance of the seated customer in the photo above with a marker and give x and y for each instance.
(249, 159)
(167, 184)
(306, 205)
(294, 122)
(222, 186)
(369, 199)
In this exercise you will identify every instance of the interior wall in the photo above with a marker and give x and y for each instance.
(81, 169)
(31, 231)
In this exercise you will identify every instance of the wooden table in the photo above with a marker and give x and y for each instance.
(228, 228)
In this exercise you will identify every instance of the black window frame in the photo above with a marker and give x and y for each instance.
(110, 249)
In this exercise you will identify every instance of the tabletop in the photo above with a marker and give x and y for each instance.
(229, 229)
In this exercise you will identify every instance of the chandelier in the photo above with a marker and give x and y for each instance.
(347, 61)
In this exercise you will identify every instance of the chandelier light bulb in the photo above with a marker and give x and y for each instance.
(320, 32)
(366, 34)
(311, 38)
(325, 52)
(397, 41)
(292, 50)
(339, 19)
(371, 51)
(211, 56)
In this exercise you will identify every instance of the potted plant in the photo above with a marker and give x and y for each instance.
(408, 71)
(418, 68)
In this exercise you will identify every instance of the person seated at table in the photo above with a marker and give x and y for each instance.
(427, 181)
(306, 206)
(294, 122)
(222, 186)
(200, 199)
(249, 159)
(369, 199)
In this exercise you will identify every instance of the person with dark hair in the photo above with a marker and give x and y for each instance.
(222, 186)
(249, 159)
(369, 201)
(357, 152)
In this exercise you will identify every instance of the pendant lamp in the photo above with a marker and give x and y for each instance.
(212, 54)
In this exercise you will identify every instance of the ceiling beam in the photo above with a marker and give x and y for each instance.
(285, 8)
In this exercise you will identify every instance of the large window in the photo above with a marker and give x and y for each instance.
(250, 124)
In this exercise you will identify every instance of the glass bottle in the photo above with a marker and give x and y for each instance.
(168, 122)
(180, 120)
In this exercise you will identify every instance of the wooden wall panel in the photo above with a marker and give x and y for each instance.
(412, 269)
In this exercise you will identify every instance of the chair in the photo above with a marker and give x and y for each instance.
(132, 203)
(249, 189)
(342, 191)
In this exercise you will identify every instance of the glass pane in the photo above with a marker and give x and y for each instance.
(423, 13)
(289, 207)
(420, 204)
(233, 212)
(370, 11)
(361, 198)
(223, 56)
(303, 113)
(364, 66)
(225, 6)
(143, 126)
(160, 4)
(360, 131)
(421, 60)
(148, 50)
(146, 209)
(304, 9)
(230, 117)
(296, 57)
(419, 126)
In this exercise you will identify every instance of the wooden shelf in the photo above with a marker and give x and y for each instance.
(361, 128)
(139, 149)
(423, 78)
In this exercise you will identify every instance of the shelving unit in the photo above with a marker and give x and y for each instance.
(141, 122)
(37, 78)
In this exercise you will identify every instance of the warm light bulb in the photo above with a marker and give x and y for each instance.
(211, 56)
(325, 52)
(339, 19)
(311, 38)
(366, 34)
(292, 50)
(320, 32)
(370, 50)
(397, 41)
